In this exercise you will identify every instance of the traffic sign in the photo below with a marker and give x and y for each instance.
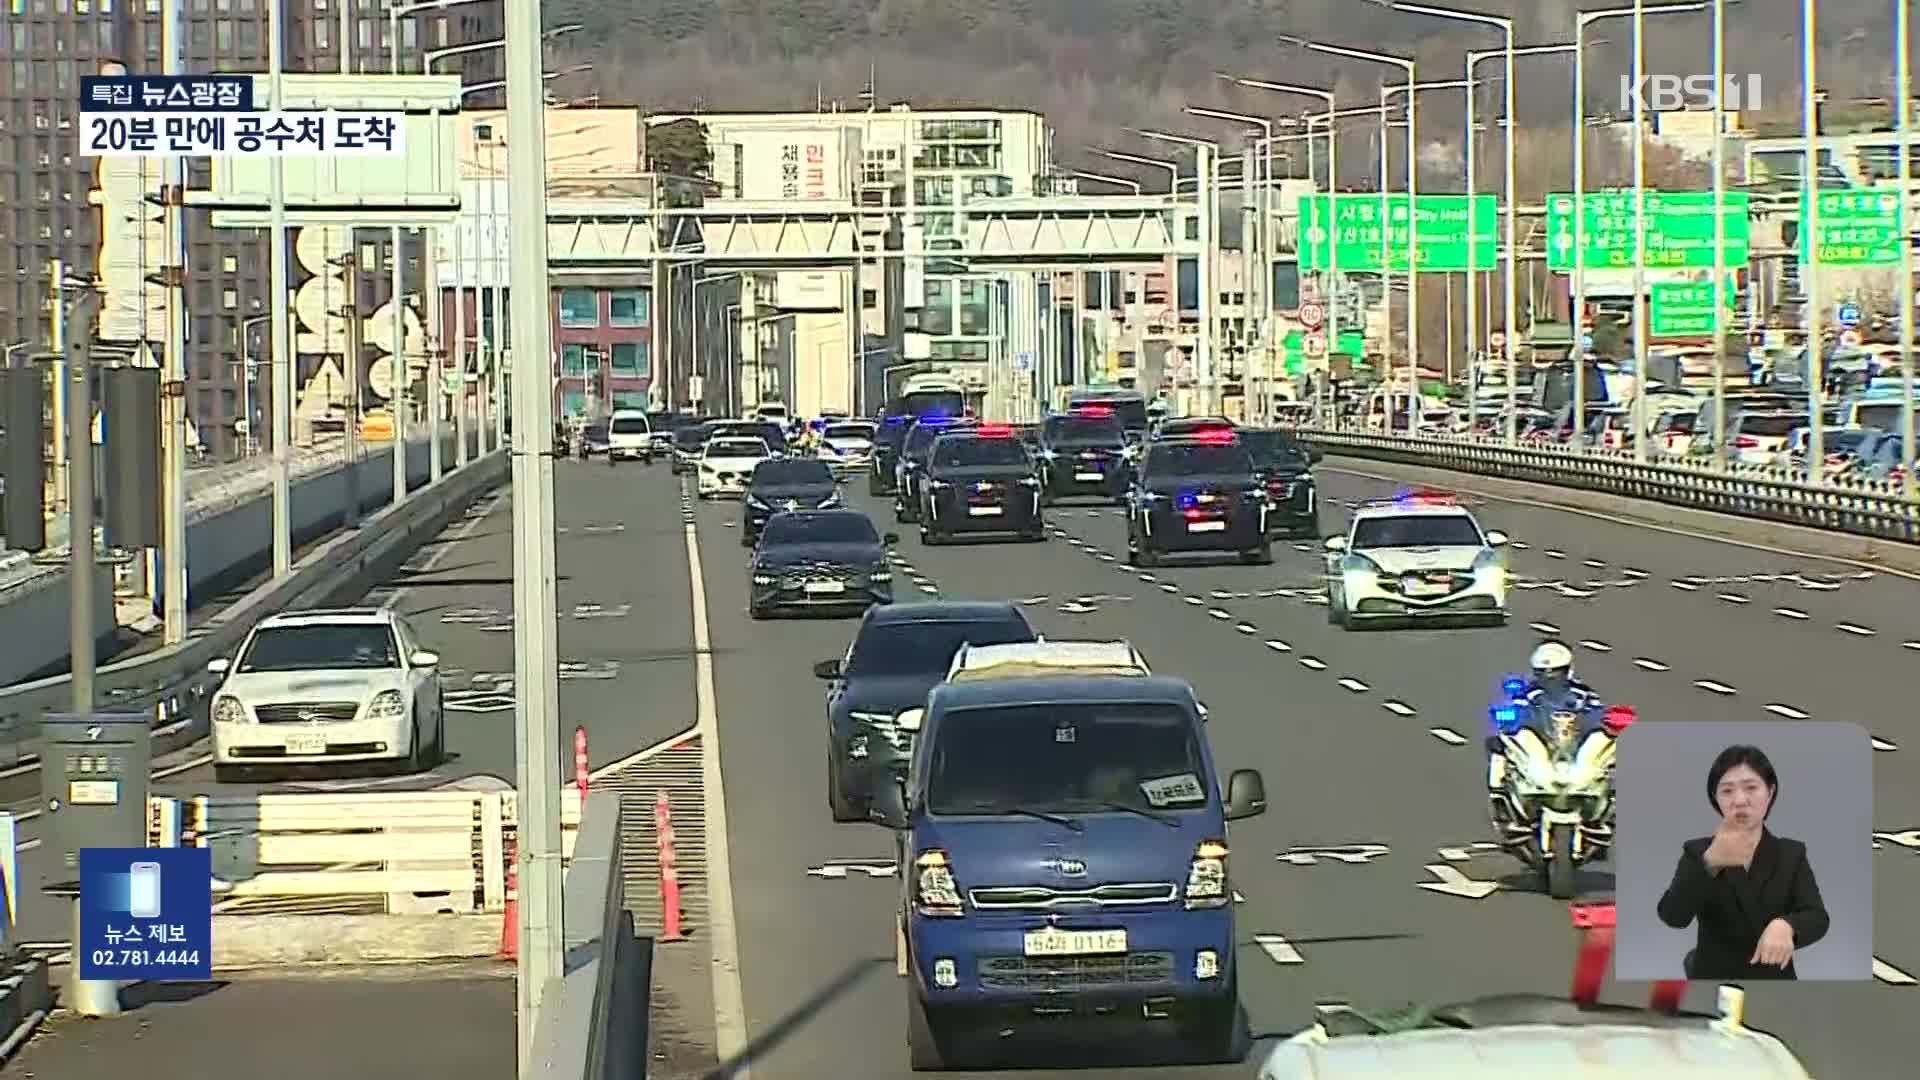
(1314, 344)
(1679, 230)
(1360, 232)
(1857, 228)
(1684, 309)
(1312, 316)
(1848, 314)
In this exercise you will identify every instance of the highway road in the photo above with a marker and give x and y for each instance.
(1370, 748)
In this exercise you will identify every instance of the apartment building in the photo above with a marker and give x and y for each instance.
(47, 206)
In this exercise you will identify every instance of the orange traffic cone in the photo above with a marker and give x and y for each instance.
(510, 926)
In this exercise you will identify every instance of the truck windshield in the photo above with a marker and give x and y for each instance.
(1066, 758)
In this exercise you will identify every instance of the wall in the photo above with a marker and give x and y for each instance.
(223, 551)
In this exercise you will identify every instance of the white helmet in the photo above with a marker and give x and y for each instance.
(1551, 658)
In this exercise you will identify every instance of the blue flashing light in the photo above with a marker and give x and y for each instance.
(898, 419)
(1186, 499)
(1506, 720)
(1513, 686)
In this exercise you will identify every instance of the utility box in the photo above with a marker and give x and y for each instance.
(94, 772)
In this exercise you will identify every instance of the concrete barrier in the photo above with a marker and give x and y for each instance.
(171, 683)
(229, 540)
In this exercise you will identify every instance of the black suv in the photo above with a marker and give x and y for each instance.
(785, 485)
(980, 481)
(1200, 494)
(1085, 453)
(1285, 468)
(912, 463)
(886, 453)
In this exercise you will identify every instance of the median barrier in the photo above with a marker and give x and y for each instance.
(592, 1023)
(1860, 519)
(171, 683)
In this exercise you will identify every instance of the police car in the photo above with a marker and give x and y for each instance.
(1417, 556)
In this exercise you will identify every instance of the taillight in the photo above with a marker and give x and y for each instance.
(1746, 442)
(1207, 875)
(934, 890)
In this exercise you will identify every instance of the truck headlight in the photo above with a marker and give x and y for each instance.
(228, 710)
(387, 704)
(935, 892)
(1207, 875)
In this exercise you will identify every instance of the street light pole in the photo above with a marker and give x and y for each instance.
(1207, 198)
(1256, 251)
(1642, 304)
(1903, 129)
(1816, 367)
(277, 293)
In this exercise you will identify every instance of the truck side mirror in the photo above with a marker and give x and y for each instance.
(1246, 795)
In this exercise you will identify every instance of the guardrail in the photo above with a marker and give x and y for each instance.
(592, 1021)
(424, 851)
(1861, 507)
(170, 684)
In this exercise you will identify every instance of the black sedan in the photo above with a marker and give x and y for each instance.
(687, 442)
(1196, 495)
(900, 652)
(830, 559)
(980, 481)
(784, 485)
(1285, 469)
(912, 465)
(1085, 453)
(594, 440)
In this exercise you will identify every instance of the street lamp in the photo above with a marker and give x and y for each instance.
(1407, 65)
(498, 84)
(1256, 249)
(1902, 129)
(434, 56)
(1117, 181)
(1207, 200)
(246, 379)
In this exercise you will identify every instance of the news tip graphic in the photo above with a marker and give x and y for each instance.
(1822, 798)
(146, 914)
(219, 116)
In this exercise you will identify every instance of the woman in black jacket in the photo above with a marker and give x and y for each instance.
(1751, 893)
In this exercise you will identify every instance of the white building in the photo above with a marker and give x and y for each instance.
(803, 351)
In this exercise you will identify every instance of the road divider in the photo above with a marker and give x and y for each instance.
(171, 684)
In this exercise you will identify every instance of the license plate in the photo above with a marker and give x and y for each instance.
(825, 588)
(1206, 526)
(985, 511)
(1089, 476)
(1416, 587)
(302, 745)
(1054, 942)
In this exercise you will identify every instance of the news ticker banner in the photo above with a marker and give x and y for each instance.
(217, 116)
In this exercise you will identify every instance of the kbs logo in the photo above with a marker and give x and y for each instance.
(1670, 93)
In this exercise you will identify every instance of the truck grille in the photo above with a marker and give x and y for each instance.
(306, 712)
(1074, 972)
(1015, 897)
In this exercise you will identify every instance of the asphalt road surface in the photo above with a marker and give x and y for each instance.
(1370, 748)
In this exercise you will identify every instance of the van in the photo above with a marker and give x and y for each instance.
(1064, 852)
(629, 436)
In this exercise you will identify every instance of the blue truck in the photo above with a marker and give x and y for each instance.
(1063, 844)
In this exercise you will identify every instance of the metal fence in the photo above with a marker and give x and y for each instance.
(1859, 506)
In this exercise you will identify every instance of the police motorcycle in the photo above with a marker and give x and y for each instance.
(1550, 778)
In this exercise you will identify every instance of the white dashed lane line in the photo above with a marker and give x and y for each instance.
(1596, 646)
(1787, 711)
(1354, 685)
(1448, 736)
(1735, 598)
(1883, 744)
(1650, 665)
(1397, 708)
(1313, 662)
(1247, 628)
(1219, 614)
(1850, 628)
(1686, 585)
(1544, 628)
(1278, 646)
(1715, 687)
(1790, 613)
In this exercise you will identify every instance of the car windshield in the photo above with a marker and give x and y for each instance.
(1066, 758)
(926, 648)
(1681, 423)
(788, 471)
(630, 425)
(850, 528)
(1197, 459)
(1273, 447)
(690, 438)
(848, 431)
(1084, 431)
(595, 431)
(984, 451)
(321, 645)
(737, 448)
(920, 440)
(1770, 426)
(1417, 531)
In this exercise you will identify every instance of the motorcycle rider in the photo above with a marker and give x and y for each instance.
(1552, 688)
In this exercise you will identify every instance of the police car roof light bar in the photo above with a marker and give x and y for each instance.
(1092, 410)
(994, 431)
(1215, 437)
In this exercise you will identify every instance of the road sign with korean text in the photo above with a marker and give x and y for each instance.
(1857, 228)
(1679, 230)
(1360, 233)
(1685, 309)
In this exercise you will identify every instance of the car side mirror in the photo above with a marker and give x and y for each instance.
(1496, 537)
(1336, 544)
(1246, 795)
(889, 805)
(827, 669)
(219, 665)
(426, 659)
(890, 539)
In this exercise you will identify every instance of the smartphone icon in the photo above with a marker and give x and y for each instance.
(143, 890)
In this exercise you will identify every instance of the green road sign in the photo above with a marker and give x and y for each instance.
(1685, 309)
(1293, 351)
(1857, 228)
(1351, 231)
(1679, 230)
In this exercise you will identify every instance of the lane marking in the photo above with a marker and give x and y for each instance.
(1454, 883)
(1278, 646)
(1169, 588)
(1194, 600)
(1862, 631)
(1787, 711)
(1149, 578)
(1551, 554)
(729, 997)
(1397, 708)
(1354, 685)
(1915, 645)
(1219, 614)
(1650, 665)
(1312, 662)
(1448, 736)
(1716, 687)
(1688, 586)
(1735, 598)
(1634, 572)
(1247, 628)
(1596, 646)
(1596, 564)
(1791, 613)
(1278, 950)
(1891, 975)
(1882, 744)
(1544, 627)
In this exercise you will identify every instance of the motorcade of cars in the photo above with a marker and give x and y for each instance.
(1416, 556)
(1085, 453)
(819, 559)
(911, 465)
(726, 463)
(980, 480)
(1285, 468)
(1200, 494)
(847, 446)
(783, 485)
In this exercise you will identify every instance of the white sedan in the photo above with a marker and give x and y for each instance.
(328, 686)
(726, 464)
